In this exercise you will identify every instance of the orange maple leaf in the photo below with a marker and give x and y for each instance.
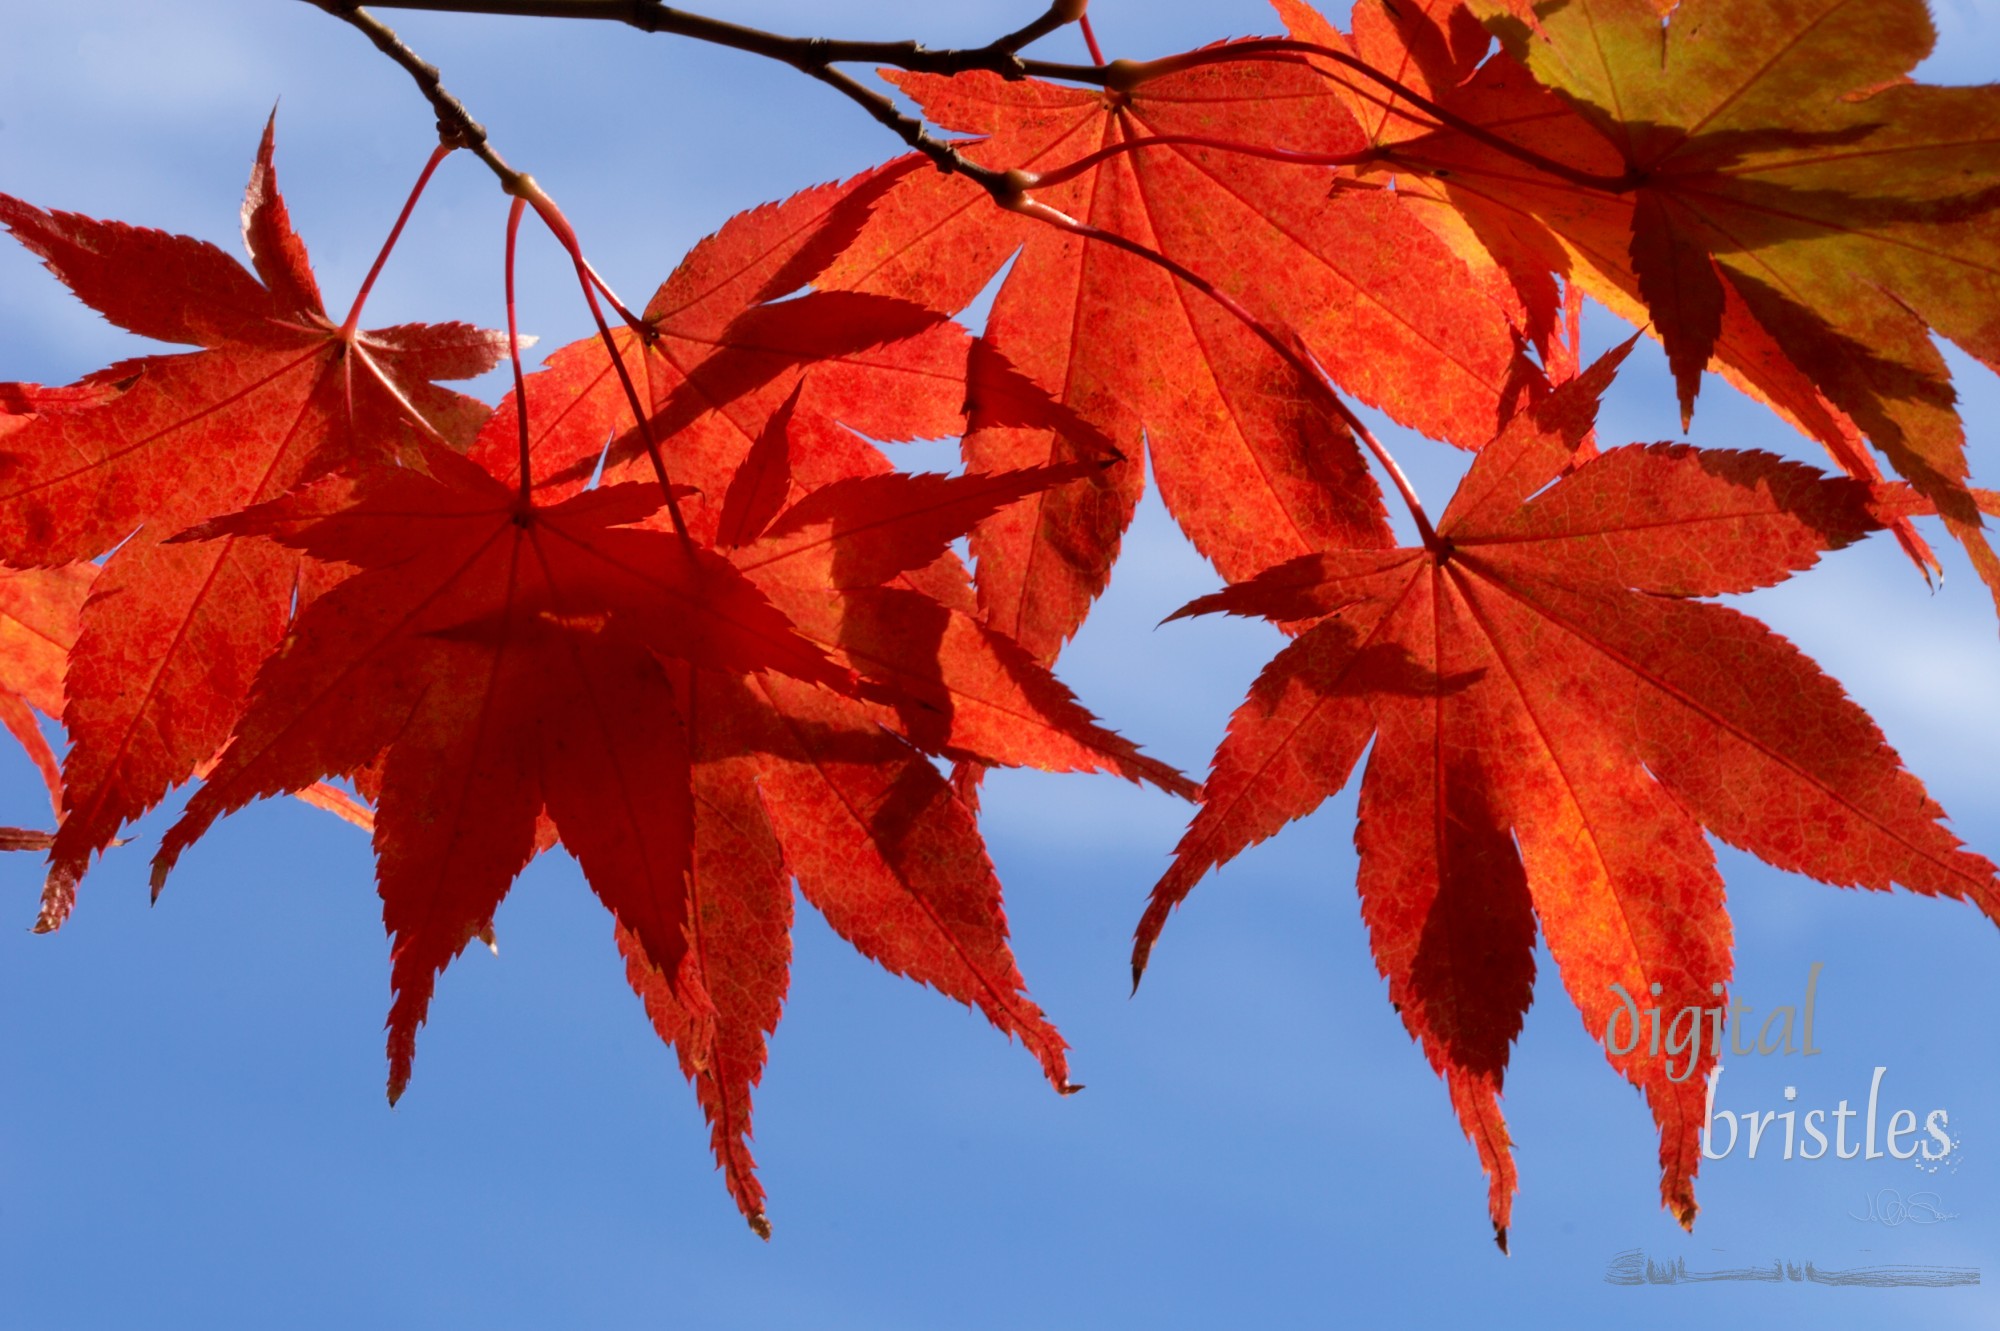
(1254, 469)
(1555, 721)
(1764, 188)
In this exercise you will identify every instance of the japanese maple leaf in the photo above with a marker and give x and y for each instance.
(700, 769)
(501, 657)
(1254, 469)
(1555, 722)
(836, 791)
(278, 394)
(1761, 184)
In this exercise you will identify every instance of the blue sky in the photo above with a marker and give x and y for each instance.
(192, 1129)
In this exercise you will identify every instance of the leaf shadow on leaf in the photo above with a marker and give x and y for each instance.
(826, 743)
(1387, 669)
(835, 233)
(1860, 380)
(1478, 939)
(1691, 156)
(1711, 166)
(890, 822)
(894, 823)
(1739, 214)
(1701, 168)
(913, 680)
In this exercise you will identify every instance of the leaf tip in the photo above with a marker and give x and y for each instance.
(1684, 1207)
(402, 1051)
(1500, 1238)
(759, 1225)
(58, 899)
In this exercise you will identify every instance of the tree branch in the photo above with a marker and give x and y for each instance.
(806, 54)
(1060, 13)
(815, 55)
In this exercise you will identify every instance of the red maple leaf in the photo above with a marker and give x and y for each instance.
(504, 658)
(499, 657)
(837, 791)
(1555, 721)
(797, 782)
(278, 394)
(1254, 469)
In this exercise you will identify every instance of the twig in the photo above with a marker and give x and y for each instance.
(802, 53)
(1060, 14)
(814, 56)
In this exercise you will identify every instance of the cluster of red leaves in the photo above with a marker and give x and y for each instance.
(714, 643)
(699, 719)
